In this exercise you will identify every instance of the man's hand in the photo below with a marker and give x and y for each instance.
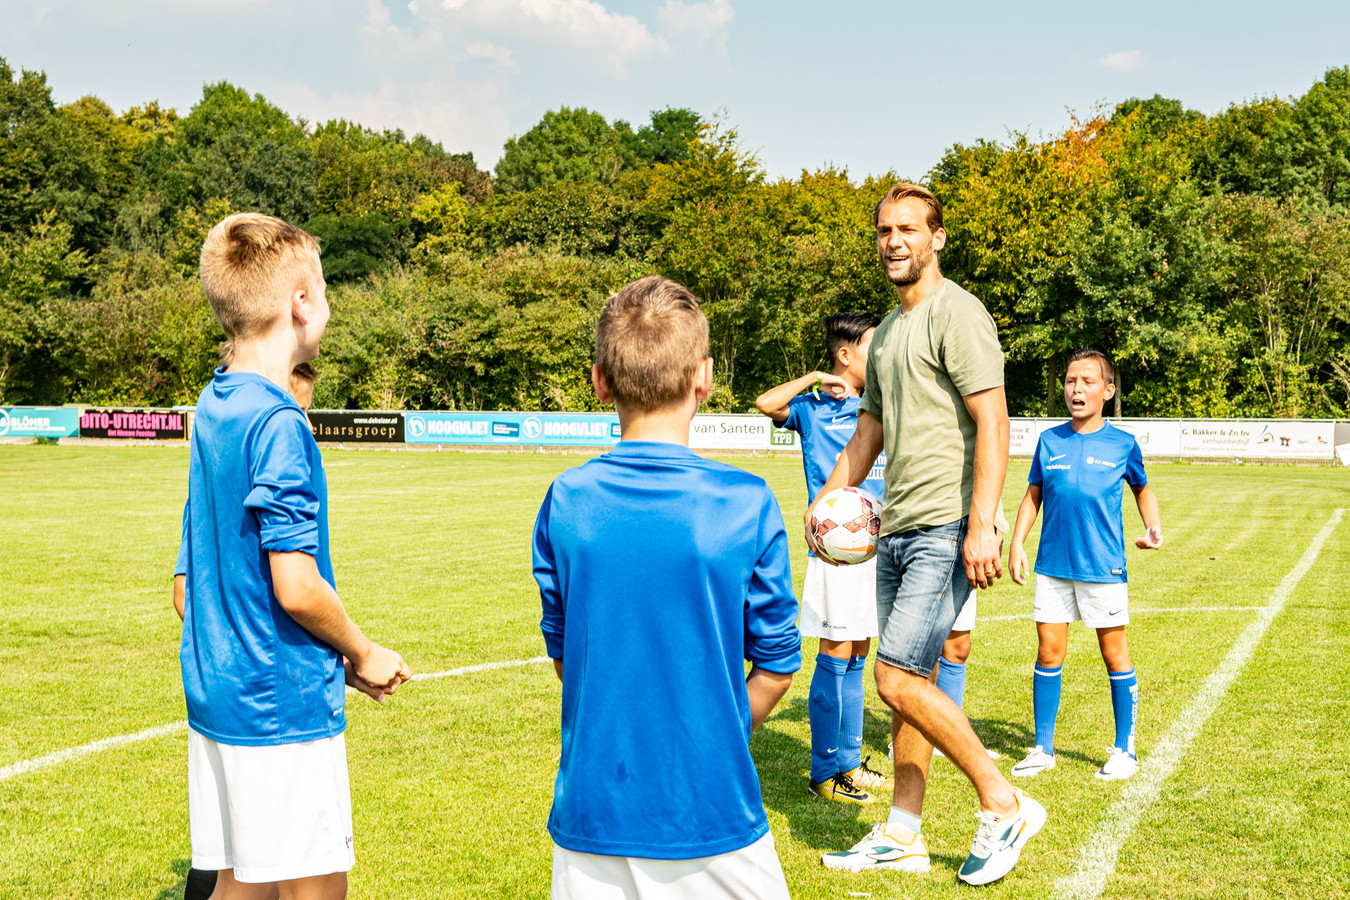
(982, 553)
(1152, 539)
(811, 539)
(382, 669)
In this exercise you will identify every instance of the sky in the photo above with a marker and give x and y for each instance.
(867, 87)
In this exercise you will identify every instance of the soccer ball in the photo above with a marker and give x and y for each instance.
(845, 524)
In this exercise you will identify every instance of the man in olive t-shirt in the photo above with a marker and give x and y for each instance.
(934, 401)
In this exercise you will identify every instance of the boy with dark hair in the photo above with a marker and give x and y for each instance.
(266, 642)
(839, 603)
(1078, 470)
(660, 573)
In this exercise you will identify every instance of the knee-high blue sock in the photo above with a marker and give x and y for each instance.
(1125, 706)
(851, 719)
(1045, 692)
(826, 708)
(951, 680)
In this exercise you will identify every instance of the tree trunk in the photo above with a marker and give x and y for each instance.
(1053, 387)
(1120, 386)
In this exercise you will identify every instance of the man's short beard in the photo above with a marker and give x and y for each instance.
(918, 265)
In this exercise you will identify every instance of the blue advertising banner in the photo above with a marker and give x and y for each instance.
(36, 421)
(522, 429)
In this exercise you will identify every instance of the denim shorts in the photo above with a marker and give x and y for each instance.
(921, 587)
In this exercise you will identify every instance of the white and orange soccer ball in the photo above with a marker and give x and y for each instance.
(845, 524)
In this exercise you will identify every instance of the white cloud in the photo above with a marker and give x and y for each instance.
(386, 40)
(579, 24)
(461, 116)
(1122, 60)
(502, 56)
(696, 22)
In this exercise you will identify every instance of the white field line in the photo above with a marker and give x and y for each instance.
(121, 740)
(1097, 858)
(1133, 612)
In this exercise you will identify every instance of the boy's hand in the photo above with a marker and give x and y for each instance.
(831, 384)
(356, 681)
(382, 669)
(1017, 564)
(1152, 539)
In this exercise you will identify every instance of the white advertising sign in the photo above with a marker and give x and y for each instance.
(743, 432)
(1156, 437)
(1274, 439)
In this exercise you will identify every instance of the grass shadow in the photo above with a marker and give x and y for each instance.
(180, 868)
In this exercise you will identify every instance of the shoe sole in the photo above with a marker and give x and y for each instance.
(904, 864)
(1032, 827)
(836, 798)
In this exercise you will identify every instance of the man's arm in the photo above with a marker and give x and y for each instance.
(984, 546)
(774, 402)
(315, 606)
(855, 464)
(1147, 501)
(766, 689)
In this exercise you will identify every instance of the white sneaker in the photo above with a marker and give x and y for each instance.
(1119, 766)
(999, 841)
(882, 850)
(1037, 761)
(993, 754)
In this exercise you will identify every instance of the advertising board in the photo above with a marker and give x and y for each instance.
(512, 429)
(38, 422)
(142, 424)
(356, 426)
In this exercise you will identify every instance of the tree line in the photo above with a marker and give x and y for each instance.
(1210, 255)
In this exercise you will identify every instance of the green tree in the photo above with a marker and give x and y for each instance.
(37, 336)
(567, 145)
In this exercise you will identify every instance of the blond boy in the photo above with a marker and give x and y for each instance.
(267, 645)
(661, 573)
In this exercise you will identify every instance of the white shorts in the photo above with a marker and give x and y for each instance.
(839, 602)
(1098, 605)
(270, 813)
(750, 873)
(965, 620)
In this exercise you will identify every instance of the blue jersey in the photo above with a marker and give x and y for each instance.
(660, 573)
(251, 674)
(1082, 479)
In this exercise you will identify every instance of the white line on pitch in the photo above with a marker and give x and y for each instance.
(1175, 609)
(1097, 859)
(121, 740)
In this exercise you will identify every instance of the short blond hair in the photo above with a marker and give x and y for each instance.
(903, 189)
(649, 342)
(249, 262)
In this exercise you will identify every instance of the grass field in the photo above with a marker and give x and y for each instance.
(452, 778)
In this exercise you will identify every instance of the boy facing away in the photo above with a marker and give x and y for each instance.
(266, 643)
(660, 574)
(839, 604)
(1078, 471)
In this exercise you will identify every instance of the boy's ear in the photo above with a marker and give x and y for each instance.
(703, 378)
(1110, 391)
(601, 385)
(298, 310)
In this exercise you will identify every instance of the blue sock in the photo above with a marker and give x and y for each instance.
(851, 717)
(1045, 691)
(826, 708)
(1125, 706)
(951, 680)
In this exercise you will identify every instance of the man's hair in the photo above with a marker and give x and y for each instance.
(649, 342)
(1108, 368)
(249, 262)
(846, 328)
(303, 372)
(902, 189)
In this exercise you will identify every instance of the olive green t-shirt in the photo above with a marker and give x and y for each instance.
(919, 368)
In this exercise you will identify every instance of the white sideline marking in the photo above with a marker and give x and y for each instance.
(61, 756)
(1174, 609)
(1097, 859)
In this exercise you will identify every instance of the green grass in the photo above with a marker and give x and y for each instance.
(452, 779)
